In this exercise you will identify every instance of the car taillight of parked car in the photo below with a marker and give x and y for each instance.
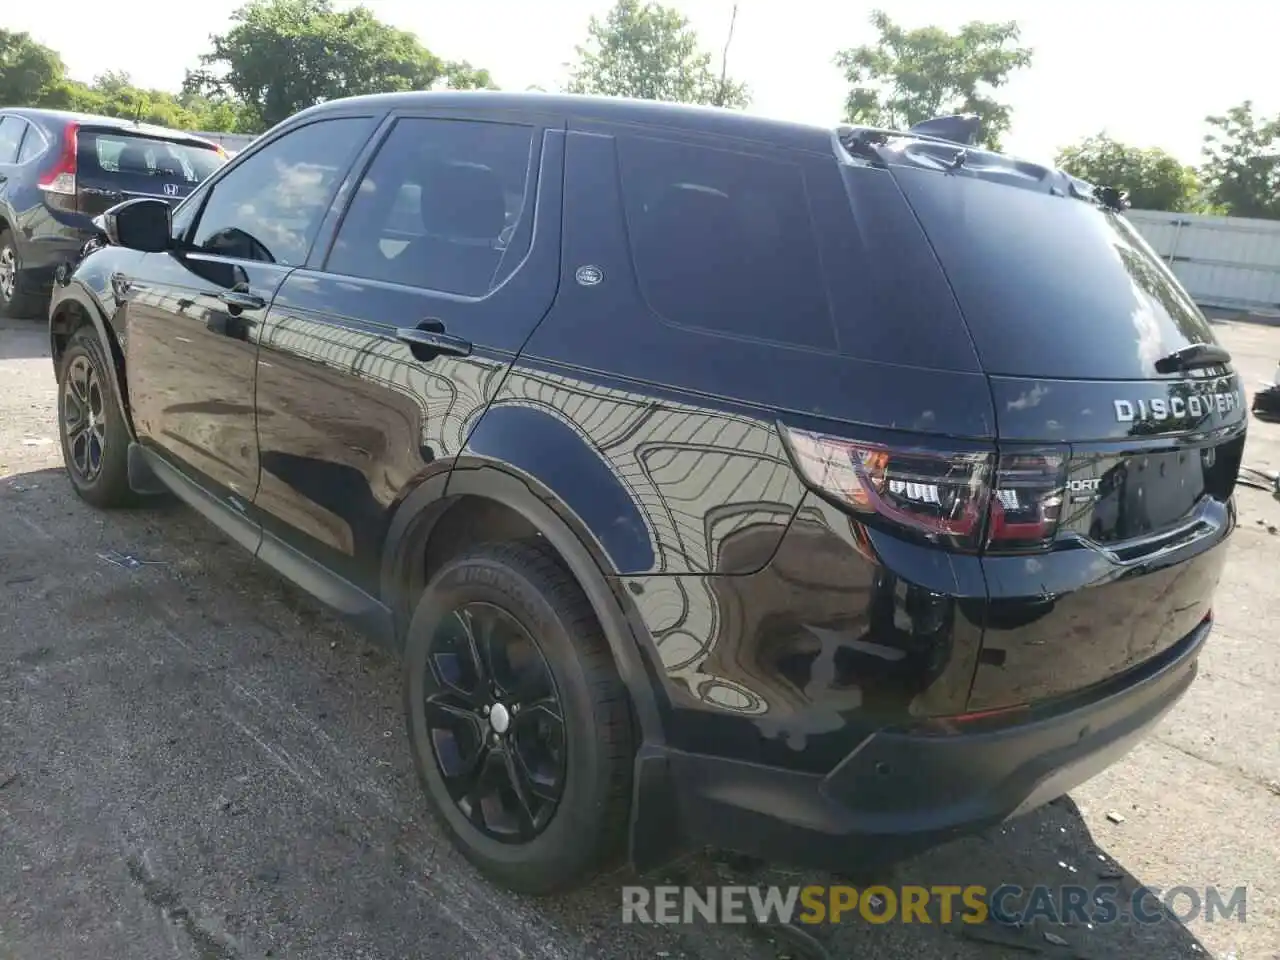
(965, 501)
(59, 180)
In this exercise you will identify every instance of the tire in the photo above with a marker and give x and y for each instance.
(84, 362)
(584, 833)
(13, 303)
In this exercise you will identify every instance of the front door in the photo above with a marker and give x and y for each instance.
(194, 315)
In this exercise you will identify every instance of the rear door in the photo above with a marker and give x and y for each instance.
(382, 352)
(114, 165)
(1074, 319)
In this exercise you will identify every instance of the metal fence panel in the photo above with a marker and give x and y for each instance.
(1229, 262)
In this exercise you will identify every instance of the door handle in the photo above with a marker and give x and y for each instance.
(427, 344)
(240, 300)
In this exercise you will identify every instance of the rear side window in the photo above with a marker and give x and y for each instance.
(113, 153)
(723, 241)
(10, 137)
(270, 205)
(33, 144)
(440, 207)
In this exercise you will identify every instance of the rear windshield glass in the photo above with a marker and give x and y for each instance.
(1051, 286)
(121, 153)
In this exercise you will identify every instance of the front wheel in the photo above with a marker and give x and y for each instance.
(518, 721)
(95, 441)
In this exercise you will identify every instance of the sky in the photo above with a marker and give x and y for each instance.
(1145, 72)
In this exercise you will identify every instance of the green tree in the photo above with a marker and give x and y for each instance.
(282, 56)
(1241, 170)
(29, 71)
(646, 50)
(908, 76)
(1154, 179)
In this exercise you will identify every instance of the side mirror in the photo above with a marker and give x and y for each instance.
(144, 224)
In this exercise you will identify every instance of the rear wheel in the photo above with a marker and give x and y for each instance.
(95, 441)
(13, 303)
(518, 721)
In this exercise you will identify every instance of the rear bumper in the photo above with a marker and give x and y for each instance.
(42, 255)
(899, 793)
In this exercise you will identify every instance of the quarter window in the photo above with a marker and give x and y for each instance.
(33, 145)
(440, 207)
(270, 206)
(723, 241)
(10, 137)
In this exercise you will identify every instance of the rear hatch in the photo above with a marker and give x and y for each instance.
(114, 165)
(1123, 435)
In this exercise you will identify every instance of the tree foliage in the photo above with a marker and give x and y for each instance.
(1154, 179)
(282, 56)
(34, 75)
(645, 50)
(27, 69)
(908, 76)
(1241, 170)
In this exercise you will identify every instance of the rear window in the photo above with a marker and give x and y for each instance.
(1050, 286)
(124, 154)
(723, 241)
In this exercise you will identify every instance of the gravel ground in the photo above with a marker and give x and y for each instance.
(197, 761)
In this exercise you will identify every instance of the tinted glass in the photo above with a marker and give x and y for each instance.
(439, 206)
(270, 206)
(33, 145)
(723, 241)
(119, 153)
(10, 137)
(1052, 286)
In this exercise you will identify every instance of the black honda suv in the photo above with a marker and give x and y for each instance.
(820, 494)
(58, 170)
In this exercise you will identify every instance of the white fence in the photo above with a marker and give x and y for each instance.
(1230, 262)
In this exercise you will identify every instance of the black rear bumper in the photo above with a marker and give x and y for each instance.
(899, 793)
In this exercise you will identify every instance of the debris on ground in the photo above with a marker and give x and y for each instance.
(1115, 817)
(125, 560)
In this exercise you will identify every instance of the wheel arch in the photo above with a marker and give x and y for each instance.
(70, 313)
(421, 513)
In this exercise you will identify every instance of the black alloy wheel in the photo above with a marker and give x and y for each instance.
(496, 722)
(91, 426)
(519, 723)
(84, 418)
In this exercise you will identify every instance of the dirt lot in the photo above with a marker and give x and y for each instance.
(197, 761)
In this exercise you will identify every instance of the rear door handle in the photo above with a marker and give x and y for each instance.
(239, 300)
(426, 345)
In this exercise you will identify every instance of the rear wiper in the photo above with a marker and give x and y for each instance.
(1193, 356)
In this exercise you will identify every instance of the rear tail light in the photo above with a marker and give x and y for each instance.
(60, 178)
(964, 500)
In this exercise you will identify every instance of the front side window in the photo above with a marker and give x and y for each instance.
(723, 241)
(439, 206)
(270, 206)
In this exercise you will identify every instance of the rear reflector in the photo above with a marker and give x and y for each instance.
(963, 500)
(60, 178)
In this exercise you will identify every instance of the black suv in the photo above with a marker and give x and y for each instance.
(59, 170)
(820, 494)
